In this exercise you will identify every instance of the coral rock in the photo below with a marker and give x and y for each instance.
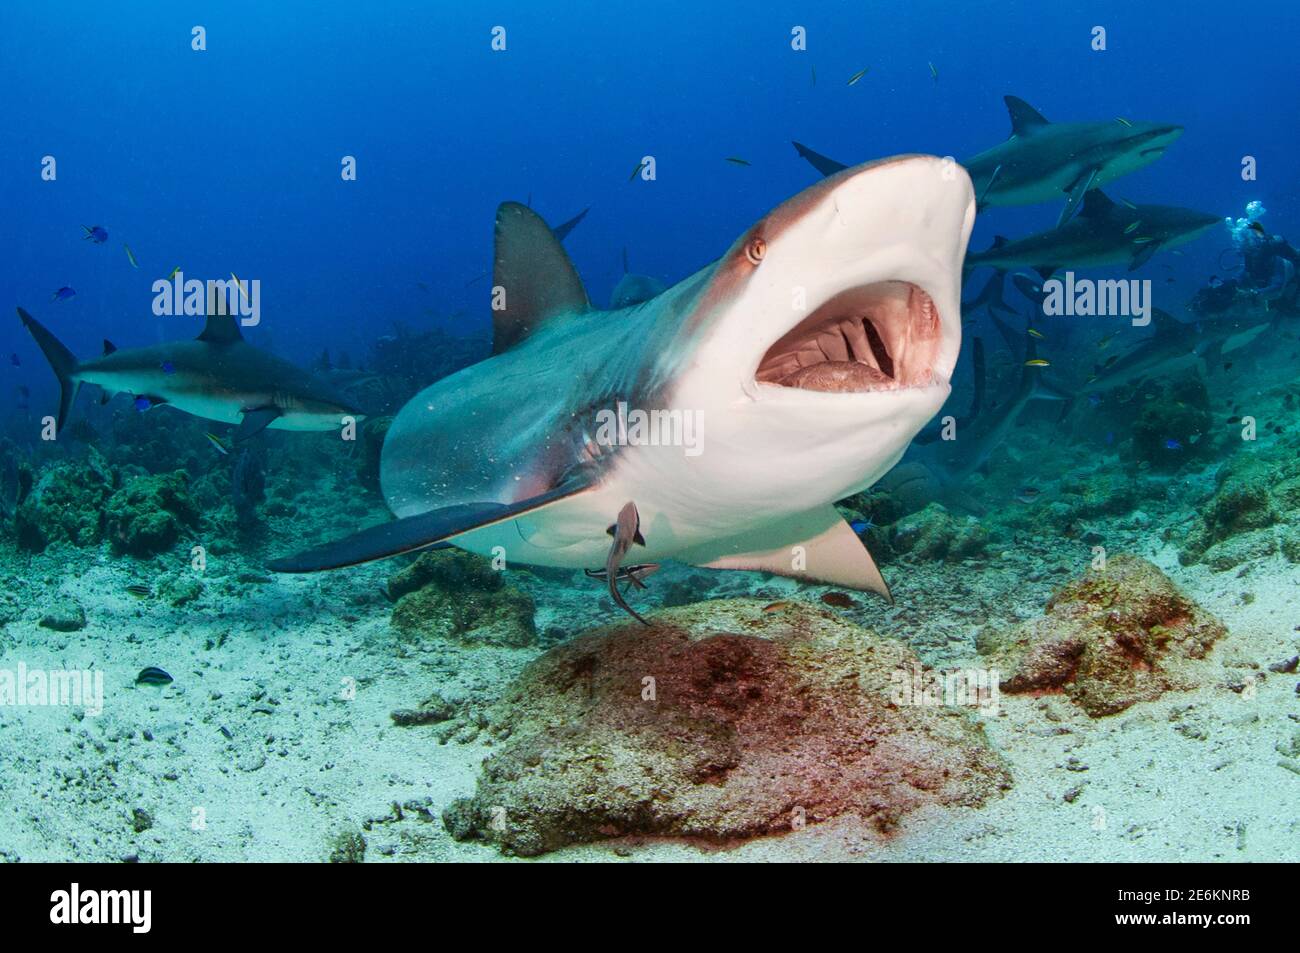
(934, 533)
(65, 505)
(718, 721)
(149, 513)
(1109, 640)
(454, 595)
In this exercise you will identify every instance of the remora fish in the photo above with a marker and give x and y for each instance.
(1042, 160)
(802, 408)
(218, 376)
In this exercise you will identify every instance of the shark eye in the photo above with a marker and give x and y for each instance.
(755, 250)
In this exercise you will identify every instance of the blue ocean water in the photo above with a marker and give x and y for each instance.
(228, 160)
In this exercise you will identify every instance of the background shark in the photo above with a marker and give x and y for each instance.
(1041, 161)
(218, 376)
(1103, 233)
(1173, 347)
(812, 352)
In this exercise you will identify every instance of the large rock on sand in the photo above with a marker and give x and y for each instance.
(721, 720)
(1118, 636)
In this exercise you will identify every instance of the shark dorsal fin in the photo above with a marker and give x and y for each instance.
(109, 347)
(1095, 204)
(535, 276)
(221, 327)
(1024, 117)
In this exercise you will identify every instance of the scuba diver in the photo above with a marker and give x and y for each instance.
(1270, 270)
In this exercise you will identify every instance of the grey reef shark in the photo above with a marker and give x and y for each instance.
(809, 355)
(1041, 160)
(218, 376)
(1103, 233)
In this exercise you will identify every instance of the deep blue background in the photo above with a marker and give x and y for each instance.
(228, 160)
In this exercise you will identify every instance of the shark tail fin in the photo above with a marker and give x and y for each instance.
(1034, 387)
(62, 361)
(991, 296)
(823, 164)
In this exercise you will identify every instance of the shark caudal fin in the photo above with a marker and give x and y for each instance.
(62, 361)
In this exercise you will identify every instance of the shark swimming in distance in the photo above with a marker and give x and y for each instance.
(810, 354)
(1103, 233)
(218, 376)
(1041, 160)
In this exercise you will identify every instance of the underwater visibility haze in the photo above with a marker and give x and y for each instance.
(838, 431)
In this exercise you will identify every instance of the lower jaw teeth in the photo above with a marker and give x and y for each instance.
(839, 377)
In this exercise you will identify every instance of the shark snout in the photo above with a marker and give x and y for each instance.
(878, 261)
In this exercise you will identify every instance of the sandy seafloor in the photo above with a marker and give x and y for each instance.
(1192, 776)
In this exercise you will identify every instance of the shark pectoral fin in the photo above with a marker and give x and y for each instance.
(982, 201)
(817, 547)
(1143, 255)
(254, 422)
(423, 531)
(1077, 192)
(536, 277)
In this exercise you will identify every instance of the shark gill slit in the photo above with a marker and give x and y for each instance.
(881, 336)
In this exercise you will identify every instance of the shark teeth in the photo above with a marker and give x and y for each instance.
(883, 336)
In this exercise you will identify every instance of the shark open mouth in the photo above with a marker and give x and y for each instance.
(882, 336)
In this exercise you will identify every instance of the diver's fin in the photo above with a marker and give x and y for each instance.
(414, 533)
(254, 422)
(109, 347)
(1143, 255)
(221, 327)
(823, 164)
(561, 231)
(1077, 192)
(1024, 117)
(817, 546)
(535, 276)
(62, 361)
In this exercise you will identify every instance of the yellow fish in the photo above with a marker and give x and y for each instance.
(240, 285)
(636, 171)
(130, 257)
(934, 72)
(1037, 362)
(1122, 121)
(1035, 332)
(736, 160)
(1133, 228)
(173, 272)
(858, 75)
